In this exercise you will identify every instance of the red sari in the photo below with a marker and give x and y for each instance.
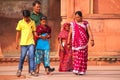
(80, 47)
(65, 54)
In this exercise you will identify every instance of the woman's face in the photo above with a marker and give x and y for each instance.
(37, 8)
(67, 28)
(43, 22)
(78, 18)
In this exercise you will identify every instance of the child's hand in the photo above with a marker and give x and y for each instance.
(17, 45)
(42, 37)
(47, 36)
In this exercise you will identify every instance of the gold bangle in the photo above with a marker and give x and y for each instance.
(92, 40)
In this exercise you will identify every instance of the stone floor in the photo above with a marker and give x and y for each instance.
(93, 73)
(98, 68)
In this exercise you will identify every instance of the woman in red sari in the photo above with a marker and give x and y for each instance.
(65, 52)
(80, 31)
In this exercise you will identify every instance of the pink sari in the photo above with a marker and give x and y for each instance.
(65, 54)
(80, 47)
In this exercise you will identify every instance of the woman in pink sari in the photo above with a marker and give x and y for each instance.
(80, 31)
(65, 52)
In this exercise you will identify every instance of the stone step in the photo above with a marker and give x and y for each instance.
(104, 58)
(54, 58)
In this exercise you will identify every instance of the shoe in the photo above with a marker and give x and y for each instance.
(51, 69)
(18, 73)
(75, 72)
(81, 73)
(37, 73)
(47, 71)
(33, 74)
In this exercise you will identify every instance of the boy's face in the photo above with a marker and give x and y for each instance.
(43, 22)
(27, 19)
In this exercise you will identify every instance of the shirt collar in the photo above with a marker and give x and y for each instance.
(35, 14)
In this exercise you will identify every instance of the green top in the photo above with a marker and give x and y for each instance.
(36, 17)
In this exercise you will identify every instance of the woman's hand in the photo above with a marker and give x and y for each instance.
(92, 43)
(61, 47)
(68, 46)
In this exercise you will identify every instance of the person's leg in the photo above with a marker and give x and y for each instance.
(22, 58)
(76, 63)
(47, 61)
(31, 57)
(61, 57)
(37, 68)
(28, 62)
(46, 58)
(84, 57)
(38, 59)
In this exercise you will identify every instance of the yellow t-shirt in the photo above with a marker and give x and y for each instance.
(26, 31)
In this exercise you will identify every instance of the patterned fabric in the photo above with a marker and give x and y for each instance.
(64, 34)
(80, 38)
(65, 54)
(80, 60)
(42, 56)
(40, 29)
(80, 47)
(43, 31)
(43, 46)
(65, 60)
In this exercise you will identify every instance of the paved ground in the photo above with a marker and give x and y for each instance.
(93, 73)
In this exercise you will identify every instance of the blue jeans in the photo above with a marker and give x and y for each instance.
(24, 49)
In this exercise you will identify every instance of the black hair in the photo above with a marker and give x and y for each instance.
(43, 18)
(79, 13)
(26, 13)
(36, 2)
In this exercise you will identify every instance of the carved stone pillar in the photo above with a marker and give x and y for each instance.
(91, 6)
(63, 11)
(71, 9)
(1, 55)
(67, 10)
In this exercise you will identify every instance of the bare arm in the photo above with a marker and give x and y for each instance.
(17, 39)
(91, 35)
(69, 36)
(35, 34)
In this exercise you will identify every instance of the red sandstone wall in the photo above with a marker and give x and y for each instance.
(105, 27)
(104, 19)
(107, 6)
(54, 22)
(7, 34)
(10, 14)
(106, 35)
